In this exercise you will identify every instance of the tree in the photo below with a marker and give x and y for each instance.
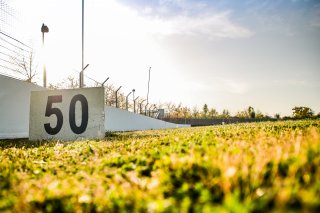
(205, 110)
(242, 114)
(25, 65)
(277, 116)
(195, 112)
(177, 111)
(225, 114)
(73, 83)
(70, 83)
(186, 112)
(121, 100)
(170, 108)
(302, 112)
(213, 113)
(259, 114)
(251, 112)
(110, 95)
(247, 113)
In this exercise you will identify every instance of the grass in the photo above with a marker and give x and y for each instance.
(262, 167)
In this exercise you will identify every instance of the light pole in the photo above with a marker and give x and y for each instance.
(127, 100)
(81, 76)
(82, 68)
(134, 104)
(148, 85)
(145, 109)
(133, 90)
(44, 29)
(117, 96)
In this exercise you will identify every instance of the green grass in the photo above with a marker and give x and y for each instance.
(270, 167)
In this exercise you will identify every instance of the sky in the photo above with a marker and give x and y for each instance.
(229, 54)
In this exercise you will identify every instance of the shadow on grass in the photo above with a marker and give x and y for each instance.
(109, 137)
(121, 136)
(25, 143)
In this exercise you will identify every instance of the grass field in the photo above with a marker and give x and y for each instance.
(271, 167)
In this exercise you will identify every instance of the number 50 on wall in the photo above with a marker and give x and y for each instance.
(67, 114)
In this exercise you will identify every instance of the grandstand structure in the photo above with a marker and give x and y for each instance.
(15, 54)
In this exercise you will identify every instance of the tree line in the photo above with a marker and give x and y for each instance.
(179, 111)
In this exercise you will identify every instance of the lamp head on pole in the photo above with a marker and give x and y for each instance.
(44, 28)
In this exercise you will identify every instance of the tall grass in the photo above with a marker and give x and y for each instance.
(229, 168)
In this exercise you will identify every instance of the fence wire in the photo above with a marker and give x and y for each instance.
(14, 53)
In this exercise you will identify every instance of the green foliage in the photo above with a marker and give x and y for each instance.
(277, 116)
(205, 110)
(242, 114)
(225, 114)
(259, 114)
(261, 167)
(213, 113)
(251, 112)
(302, 112)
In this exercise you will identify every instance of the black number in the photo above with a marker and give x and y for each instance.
(72, 114)
(54, 111)
(72, 118)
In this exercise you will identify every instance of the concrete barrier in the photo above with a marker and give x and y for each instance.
(122, 120)
(15, 107)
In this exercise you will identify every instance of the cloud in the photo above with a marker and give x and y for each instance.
(188, 18)
(211, 26)
(235, 87)
(290, 82)
(221, 85)
(174, 7)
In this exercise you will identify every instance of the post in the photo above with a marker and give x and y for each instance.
(127, 100)
(44, 65)
(44, 29)
(133, 90)
(117, 96)
(81, 76)
(134, 104)
(141, 106)
(145, 109)
(104, 82)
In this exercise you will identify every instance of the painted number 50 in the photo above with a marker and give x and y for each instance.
(72, 118)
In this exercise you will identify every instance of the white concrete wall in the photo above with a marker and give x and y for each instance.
(122, 120)
(15, 107)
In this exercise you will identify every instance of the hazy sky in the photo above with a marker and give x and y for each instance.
(227, 53)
